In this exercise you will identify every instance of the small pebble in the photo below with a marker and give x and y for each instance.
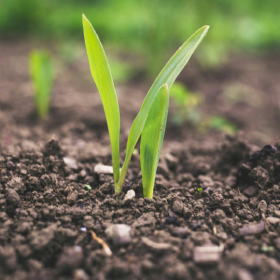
(77, 248)
(157, 246)
(119, 233)
(70, 162)
(103, 169)
(129, 195)
(252, 229)
(207, 254)
(83, 229)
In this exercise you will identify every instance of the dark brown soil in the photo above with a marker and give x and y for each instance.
(215, 214)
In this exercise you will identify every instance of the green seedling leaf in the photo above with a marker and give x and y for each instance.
(103, 79)
(88, 187)
(152, 138)
(267, 249)
(167, 76)
(199, 190)
(41, 73)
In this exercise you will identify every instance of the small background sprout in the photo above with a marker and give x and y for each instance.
(88, 187)
(41, 74)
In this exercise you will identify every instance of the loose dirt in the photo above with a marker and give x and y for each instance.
(215, 212)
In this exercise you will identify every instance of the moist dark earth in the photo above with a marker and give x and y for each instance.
(215, 212)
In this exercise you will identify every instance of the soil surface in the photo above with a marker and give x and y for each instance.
(215, 212)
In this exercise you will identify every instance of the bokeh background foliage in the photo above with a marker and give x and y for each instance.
(152, 29)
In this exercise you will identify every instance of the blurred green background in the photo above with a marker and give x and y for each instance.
(150, 29)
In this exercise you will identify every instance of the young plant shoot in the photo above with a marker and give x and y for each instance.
(152, 138)
(151, 119)
(41, 73)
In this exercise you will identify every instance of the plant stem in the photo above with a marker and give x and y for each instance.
(119, 184)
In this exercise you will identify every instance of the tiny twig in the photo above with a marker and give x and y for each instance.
(266, 223)
(257, 182)
(214, 230)
(106, 248)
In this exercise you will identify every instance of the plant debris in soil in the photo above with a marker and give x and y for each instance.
(54, 227)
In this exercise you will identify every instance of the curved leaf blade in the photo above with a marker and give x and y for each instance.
(152, 138)
(103, 79)
(167, 76)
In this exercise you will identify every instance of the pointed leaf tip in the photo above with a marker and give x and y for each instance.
(206, 27)
(101, 74)
(168, 75)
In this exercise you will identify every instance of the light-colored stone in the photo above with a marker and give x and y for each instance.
(129, 195)
(207, 254)
(252, 229)
(103, 169)
(119, 233)
(158, 246)
(70, 162)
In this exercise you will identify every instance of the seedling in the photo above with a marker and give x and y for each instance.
(151, 119)
(199, 190)
(41, 73)
(223, 124)
(88, 187)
